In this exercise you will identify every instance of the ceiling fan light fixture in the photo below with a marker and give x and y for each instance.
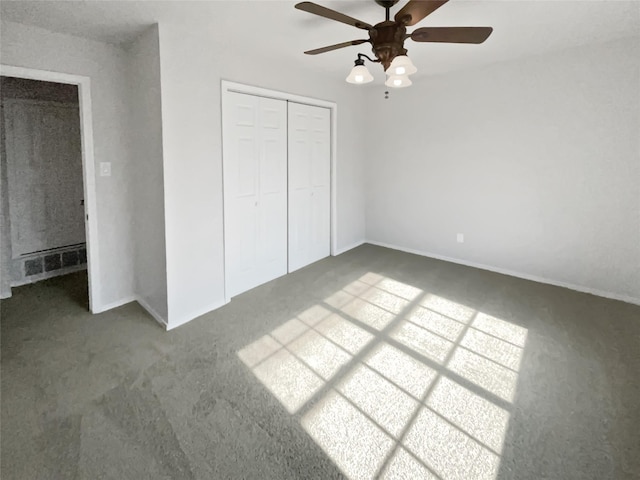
(387, 37)
(359, 74)
(398, 81)
(401, 65)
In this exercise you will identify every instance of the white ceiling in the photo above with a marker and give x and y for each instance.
(274, 28)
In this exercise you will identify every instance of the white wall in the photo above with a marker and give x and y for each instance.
(148, 193)
(44, 162)
(536, 161)
(193, 62)
(32, 47)
(5, 223)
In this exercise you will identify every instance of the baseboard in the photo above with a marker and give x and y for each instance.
(116, 304)
(151, 311)
(192, 316)
(350, 247)
(512, 273)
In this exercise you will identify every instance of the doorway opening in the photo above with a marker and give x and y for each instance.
(47, 189)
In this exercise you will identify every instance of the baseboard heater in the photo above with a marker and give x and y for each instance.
(34, 266)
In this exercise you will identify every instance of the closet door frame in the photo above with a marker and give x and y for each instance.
(233, 87)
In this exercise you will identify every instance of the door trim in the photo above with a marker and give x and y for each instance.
(233, 87)
(88, 167)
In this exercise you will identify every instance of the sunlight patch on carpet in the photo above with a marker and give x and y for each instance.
(393, 382)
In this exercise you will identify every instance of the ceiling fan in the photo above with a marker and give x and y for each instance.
(387, 38)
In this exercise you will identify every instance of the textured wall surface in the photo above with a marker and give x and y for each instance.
(148, 195)
(536, 162)
(5, 224)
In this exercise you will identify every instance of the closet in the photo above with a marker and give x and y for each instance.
(277, 183)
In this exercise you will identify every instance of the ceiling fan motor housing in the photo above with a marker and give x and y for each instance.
(387, 39)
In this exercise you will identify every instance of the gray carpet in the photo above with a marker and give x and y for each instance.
(375, 363)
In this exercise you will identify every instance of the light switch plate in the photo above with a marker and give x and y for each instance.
(105, 169)
(460, 238)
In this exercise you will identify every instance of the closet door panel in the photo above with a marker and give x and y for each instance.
(241, 191)
(247, 168)
(299, 187)
(272, 205)
(309, 184)
(244, 218)
(255, 195)
(299, 228)
(320, 184)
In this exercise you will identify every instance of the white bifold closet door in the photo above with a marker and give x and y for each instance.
(309, 184)
(255, 190)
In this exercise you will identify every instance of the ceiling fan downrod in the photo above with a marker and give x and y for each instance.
(386, 4)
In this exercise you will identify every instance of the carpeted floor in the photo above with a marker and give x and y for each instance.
(372, 364)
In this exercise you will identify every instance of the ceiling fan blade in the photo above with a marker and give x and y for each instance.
(452, 34)
(335, 47)
(416, 10)
(331, 14)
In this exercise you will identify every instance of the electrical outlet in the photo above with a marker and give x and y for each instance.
(105, 169)
(460, 238)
